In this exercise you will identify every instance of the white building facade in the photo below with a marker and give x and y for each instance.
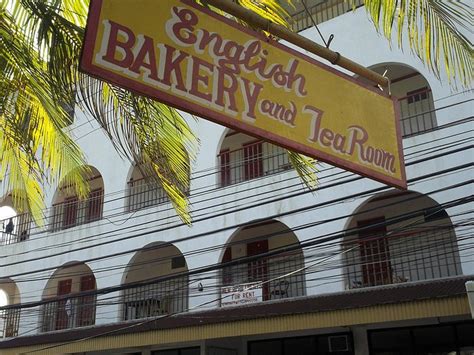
(267, 266)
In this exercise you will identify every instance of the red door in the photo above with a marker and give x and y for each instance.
(227, 271)
(258, 270)
(64, 306)
(86, 304)
(94, 205)
(374, 253)
(225, 167)
(253, 163)
(70, 212)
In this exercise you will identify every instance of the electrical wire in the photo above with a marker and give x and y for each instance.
(286, 195)
(170, 208)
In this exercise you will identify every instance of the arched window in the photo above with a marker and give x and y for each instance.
(71, 311)
(157, 260)
(397, 238)
(69, 211)
(142, 193)
(278, 275)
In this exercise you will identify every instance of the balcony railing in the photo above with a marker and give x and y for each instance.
(73, 212)
(320, 12)
(252, 161)
(16, 229)
(73, 312)
(411, 256)
(276, 273)
(417, 112)
(165, 297)
(142, 194)
(9, 323)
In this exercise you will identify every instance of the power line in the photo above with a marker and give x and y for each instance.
(285, 196)
(288, 248)
(194, 194)
(410, 198)
(256, 205)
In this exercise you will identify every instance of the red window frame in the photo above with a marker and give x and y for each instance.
(258, 270)
(225, 167)
(94, 205)
(374, 252)
(62, 318)
(71, 205)
(86, 304)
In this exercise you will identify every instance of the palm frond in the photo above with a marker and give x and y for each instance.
(435, 33)
(305, 167)
(144, 130)
(269, 9)
(39, 74)
(136, 126)
(34, 149)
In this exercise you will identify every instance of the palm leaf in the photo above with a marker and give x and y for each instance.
(51, 34)
(34, 151)
(269, 9)
(434, 33)
(137, 127)
(305, 167)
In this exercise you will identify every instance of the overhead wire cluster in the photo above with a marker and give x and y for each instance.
(289, 187)
(322, 256)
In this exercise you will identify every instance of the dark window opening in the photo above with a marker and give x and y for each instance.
(423, 340)
(178, 262)
(182, 351)
(434, 214)
(417, 95)
(334, 344)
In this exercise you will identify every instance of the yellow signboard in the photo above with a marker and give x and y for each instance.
(186, 56)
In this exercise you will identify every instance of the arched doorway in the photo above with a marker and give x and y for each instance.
(417, 111)
(399, 237)
(72, 310)
(280, 276)
(144, 192)
(157, 284)
(69, 211)
(9, 318)
(14, 226)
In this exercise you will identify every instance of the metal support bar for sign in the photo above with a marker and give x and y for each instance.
(282, 32)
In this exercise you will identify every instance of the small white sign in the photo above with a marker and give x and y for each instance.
(241, 294)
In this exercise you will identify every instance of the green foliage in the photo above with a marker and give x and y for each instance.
(435, 32)
(41, 46)
(34, 151)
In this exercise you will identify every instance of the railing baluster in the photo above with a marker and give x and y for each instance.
(156, 299)
(322, 11)
(269, 269)
(142, 194)
(15, 229)
(412, 256)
